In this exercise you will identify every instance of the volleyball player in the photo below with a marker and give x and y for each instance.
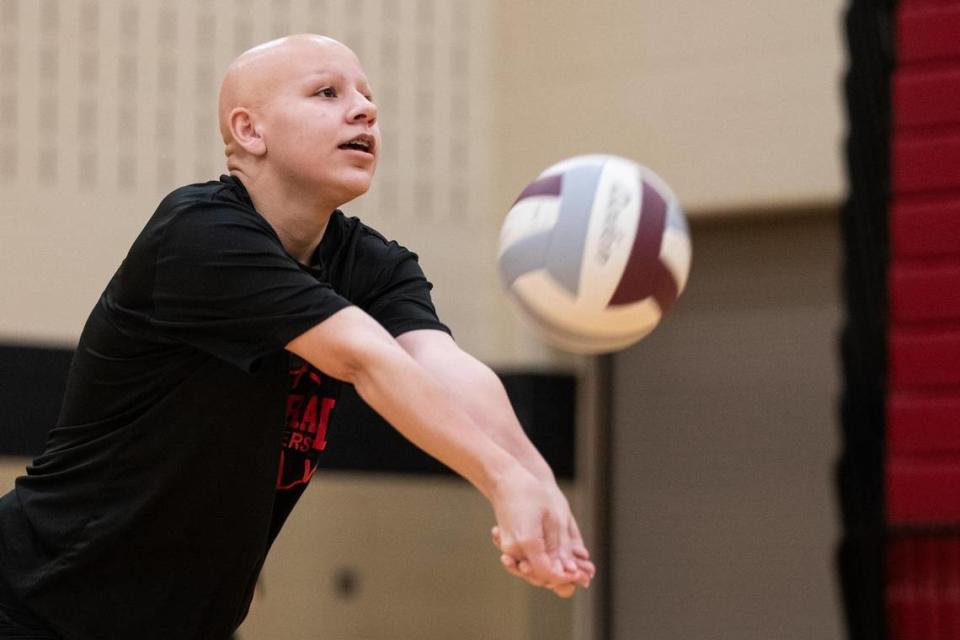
(206, 377)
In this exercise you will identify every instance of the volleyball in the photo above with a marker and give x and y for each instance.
(594, 252)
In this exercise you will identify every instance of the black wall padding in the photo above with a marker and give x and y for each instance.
(544, 403)
(860, 474)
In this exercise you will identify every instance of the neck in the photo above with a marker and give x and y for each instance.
(299, 218)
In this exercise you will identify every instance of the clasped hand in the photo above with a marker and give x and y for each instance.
(538, 537)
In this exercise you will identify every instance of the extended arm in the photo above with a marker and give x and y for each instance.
(351, 346)
(479, 392)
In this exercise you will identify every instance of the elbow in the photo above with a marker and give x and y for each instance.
(355, 358)
(347, 346)
(361, 359)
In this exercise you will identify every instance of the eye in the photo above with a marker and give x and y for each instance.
(327, 92)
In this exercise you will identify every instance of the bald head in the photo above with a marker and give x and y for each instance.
(256, 75)
(298, 121)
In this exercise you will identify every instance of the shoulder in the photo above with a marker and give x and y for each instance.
(221, 191)
(361, 261)
(363, 240)
(226, 194)
(218, 209)
(198, 224)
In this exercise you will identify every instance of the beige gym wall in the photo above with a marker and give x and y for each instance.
(735, 103)
(724, 437)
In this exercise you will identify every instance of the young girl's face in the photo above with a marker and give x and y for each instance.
(320, 125)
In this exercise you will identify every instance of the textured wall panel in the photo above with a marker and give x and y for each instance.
(138, 81)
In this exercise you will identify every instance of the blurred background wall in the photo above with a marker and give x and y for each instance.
(724, 437)
(723, 419)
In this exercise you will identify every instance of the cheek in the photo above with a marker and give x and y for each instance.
(302, 133)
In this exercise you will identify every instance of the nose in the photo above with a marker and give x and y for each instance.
(363, 109)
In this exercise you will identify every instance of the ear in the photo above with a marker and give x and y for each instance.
(245, 132)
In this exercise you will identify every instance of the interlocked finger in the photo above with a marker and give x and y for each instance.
(521, 569)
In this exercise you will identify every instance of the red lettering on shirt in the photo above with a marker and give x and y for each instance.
(307, 419)
(308, 422)
(314, 417)
(295, 439)
(308, 471)
(296, 374)
(326, 406)
(294, 401)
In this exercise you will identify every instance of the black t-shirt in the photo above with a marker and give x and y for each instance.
(187, 432)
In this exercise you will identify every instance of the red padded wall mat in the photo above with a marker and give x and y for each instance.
(923, 589)
(922, 358)
(923, 398)
(923, 491)
(924, 162)
(925, 228)
(923, 424)
(924, 291)
(927, 30)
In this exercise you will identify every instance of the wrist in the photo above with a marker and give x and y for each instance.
(506, 480)
(541, 470)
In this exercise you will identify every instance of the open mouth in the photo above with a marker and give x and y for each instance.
(363, 142)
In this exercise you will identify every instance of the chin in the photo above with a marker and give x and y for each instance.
(357, 185)
(353, 191)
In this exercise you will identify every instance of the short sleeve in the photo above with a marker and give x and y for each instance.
(225, 285)
(404, 303)
(384, 279)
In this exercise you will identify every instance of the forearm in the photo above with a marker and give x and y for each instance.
(480, 393)
(413, 402)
